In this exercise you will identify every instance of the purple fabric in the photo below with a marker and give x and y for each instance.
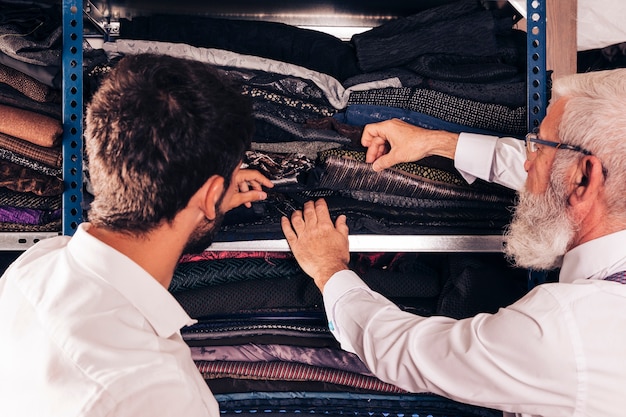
(253, 352)
(27, 216)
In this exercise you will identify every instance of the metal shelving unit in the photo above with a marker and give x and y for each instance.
(72, 133)
(72, 148)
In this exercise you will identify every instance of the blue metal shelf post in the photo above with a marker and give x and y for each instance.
(72, 61)
(536, 61)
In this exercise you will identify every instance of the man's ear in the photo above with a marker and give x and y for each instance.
(210, 195)
(588, 181)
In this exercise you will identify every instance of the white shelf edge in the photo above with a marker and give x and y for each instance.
(386, 243)
(23, 240)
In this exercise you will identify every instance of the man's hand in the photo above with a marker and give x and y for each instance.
(394, 141)
(320, 247)
(248, 186)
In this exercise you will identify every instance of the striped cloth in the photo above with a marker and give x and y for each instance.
(293, 372)
(617, 277)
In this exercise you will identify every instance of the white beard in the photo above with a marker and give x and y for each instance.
(541, 230)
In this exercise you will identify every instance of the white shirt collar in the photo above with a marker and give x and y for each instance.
(595, 259)
(142, 290)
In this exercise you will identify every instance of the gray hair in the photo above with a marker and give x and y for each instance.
(595, 119)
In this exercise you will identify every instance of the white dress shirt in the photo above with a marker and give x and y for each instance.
(493, 159)
(84, 331)
(559, 351)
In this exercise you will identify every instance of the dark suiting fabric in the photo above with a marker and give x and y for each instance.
(308, 48)
(450, 29)
(299, 402)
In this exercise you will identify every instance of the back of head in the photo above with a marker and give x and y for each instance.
(595, 119)
(157, 128)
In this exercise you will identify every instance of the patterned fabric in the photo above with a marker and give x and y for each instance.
(17, 178)
(209, 255)
(51, 157)
(341, 173)
(26, 162)
(194, 275)
(409, 167)
(28, 86)
(28, 200)
(325, 403)
(363, 114)
(617, 277)
(334, 358)
(271, 328)
(282, 84)
(257, 93)
(292, 372)
(493, 117)
(54, 226)
(277, 166)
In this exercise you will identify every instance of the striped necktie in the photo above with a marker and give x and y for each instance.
(618, 277)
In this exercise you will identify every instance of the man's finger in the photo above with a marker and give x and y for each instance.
(288, 231)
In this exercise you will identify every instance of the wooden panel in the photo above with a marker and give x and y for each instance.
(561, 36)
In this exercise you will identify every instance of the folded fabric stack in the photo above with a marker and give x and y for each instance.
(30, 126)
(458, 67)
(262, 341)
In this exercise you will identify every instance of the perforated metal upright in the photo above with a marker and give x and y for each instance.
(72, 61)
(537, 79)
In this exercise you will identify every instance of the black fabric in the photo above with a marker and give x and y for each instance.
(449, 29)
(366, 406)
(480, 283)
(308, 48)
(450, 67)
(262, 221)
(193, 275)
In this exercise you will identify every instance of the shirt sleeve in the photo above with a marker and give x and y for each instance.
(500, 360)
(165, 400)
(490, 158)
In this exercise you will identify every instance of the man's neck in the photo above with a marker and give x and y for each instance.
(157, 252)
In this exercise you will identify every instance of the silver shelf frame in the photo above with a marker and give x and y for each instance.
(383, 243)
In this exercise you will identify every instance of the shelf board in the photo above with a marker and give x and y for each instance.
(22, 240)
(386, 243)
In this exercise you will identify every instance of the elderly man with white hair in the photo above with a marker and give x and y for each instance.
(558, 351)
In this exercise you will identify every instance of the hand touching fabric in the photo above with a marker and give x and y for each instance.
(393, 141)
(249, 185)
(320, 247)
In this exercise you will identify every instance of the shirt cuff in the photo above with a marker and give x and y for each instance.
(474, 155)
(336, 287)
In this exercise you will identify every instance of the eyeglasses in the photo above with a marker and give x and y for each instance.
(532, 140)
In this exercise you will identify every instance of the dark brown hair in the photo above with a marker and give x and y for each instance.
(157, 128)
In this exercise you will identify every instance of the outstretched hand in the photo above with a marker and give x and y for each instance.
(249, 185)
(394, 141)
(319, 246)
